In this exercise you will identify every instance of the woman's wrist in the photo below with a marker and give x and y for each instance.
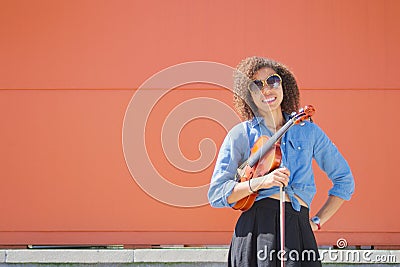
(252, 191)
(316, 221)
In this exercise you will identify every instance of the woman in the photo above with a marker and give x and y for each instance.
(265, 92)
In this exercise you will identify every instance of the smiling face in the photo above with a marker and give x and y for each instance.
(267, 99)
(252, 68)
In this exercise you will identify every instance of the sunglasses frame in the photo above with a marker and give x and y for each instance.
(264, 82)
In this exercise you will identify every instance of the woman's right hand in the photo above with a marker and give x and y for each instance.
(278, 177)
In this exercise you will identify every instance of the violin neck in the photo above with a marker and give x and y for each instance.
(278, 135)
(269, 145)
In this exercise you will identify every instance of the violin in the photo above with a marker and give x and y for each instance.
(266, 156)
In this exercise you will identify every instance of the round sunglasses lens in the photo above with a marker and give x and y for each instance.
(274, 81)
(259, 84)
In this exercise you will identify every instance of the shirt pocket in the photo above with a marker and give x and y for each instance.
(299, 150)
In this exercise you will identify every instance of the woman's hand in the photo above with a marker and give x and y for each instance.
(278, 177)
(314, 227)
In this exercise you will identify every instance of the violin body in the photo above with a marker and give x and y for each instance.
(269, 162)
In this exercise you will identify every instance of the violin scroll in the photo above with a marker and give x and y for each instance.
(304, 114)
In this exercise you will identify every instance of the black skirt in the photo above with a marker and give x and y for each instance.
(256, 241)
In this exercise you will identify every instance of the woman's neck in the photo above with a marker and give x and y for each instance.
(274, 120)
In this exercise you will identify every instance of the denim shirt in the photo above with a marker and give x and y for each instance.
(299, 145)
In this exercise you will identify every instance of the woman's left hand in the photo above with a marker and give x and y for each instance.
(314, 227)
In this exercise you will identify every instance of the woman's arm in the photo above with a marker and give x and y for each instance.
(330, 207)
(331, 161)
(278, 177)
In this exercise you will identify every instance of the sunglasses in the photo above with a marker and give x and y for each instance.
(273, 81)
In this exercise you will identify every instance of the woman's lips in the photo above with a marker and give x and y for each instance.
(269, 99)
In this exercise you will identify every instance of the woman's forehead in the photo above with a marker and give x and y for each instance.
(264, 72)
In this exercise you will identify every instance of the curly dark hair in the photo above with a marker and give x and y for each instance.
(242, 100)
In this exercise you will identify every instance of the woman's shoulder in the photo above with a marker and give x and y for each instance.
(246, 125)
(239, 129)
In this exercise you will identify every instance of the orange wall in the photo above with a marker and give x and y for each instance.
(70, 69)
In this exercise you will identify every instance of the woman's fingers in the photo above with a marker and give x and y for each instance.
(281, 176)
(278, 177)
(283, 170)
(280, 181)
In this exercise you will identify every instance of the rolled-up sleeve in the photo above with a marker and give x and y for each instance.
(229, 157)
(331, 161)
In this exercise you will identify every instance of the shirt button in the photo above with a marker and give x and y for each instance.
(298, 148)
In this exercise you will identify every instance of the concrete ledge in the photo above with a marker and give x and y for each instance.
(181, 255)
(191, 256)
(2, 256)
(68, 256)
